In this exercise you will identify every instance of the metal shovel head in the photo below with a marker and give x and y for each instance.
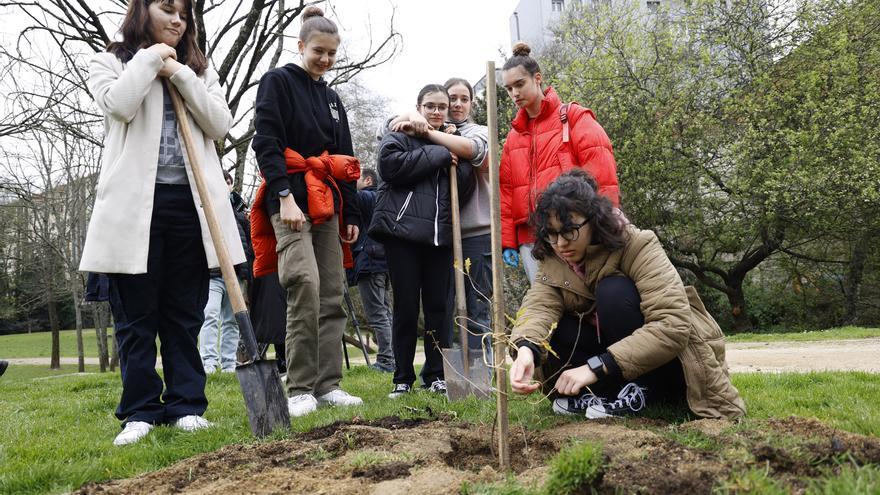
(478, 380)
(264, 396)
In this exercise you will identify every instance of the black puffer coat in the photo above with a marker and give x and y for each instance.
(413, 202)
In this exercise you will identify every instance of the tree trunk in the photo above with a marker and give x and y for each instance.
(854, 278)
(101, 334)
(114, 350)
(737, 300)
(77, 311)
(55, 326)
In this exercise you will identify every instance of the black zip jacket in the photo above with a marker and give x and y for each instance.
(414, 199)
(295, 111)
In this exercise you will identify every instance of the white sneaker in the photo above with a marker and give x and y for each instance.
(133, 432)
(301, 404)
(339, 397)
(192, 423)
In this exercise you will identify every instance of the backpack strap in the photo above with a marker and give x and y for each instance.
(563, 117)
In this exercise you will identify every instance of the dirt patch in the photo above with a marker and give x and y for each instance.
(413, 457)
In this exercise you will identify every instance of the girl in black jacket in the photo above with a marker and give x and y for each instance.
(414, 220)
(296, 110)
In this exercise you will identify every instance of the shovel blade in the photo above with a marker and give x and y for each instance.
(264, 397)
(478, 380)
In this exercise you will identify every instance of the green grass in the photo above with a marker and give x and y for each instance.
(56, 431)
(814, 335)
(36, 345)
(848, 400)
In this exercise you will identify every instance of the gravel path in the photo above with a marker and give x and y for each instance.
(831, 355)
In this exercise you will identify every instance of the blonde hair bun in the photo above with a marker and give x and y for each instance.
(312, 11)
(521, 49)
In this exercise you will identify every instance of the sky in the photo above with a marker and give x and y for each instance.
(441, 39)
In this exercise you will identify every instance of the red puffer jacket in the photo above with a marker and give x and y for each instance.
(534, 155)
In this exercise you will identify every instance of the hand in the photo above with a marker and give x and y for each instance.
(291, 215)
(572, 381)
(351, 234)
(450, 129)
(454, 159)
(171, 66)
(164, 51)
(511, 257)
(522, 371)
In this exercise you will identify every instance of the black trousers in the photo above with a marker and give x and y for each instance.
(419, 273)
(478, 291)
(168, 301)
(576, 340)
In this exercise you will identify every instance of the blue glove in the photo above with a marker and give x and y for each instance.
(511, 257)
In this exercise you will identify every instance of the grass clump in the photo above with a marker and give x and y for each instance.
(863, 480)
(755, 481)
(507, 487)
(575, 468)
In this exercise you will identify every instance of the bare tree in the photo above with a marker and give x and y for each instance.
(242, 40)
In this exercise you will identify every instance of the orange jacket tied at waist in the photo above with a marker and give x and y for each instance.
(321, 173)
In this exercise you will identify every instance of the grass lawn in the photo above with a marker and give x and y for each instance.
(57, 431)
(814, 335)
(39, 344)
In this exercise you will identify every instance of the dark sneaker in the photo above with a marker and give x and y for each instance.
(575, 406)
(399, 390)
(3, 366)
(438, 387)
(630, 400)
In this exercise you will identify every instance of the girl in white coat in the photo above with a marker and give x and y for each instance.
(148, 230)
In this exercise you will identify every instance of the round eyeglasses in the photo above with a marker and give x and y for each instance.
(569, 235)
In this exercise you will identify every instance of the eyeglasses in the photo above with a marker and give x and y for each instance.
(568, 235)
(431, 108)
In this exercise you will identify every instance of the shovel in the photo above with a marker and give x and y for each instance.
(264, 395)
(465, 373)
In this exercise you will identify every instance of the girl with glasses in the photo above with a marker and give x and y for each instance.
(608, 324)
(537, 150)
(413, 219)
(148, 230)
(470, 142)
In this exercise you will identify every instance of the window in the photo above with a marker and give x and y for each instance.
(653, 6)
(557, 5)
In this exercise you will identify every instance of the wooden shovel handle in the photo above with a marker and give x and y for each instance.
(226, 268)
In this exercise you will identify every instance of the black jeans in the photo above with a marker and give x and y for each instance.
(478, 290)
(418, 273)
(619, 315)
(168, 301)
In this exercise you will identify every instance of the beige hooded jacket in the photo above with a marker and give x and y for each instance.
(677, 324)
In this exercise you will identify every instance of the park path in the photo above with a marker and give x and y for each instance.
(827, 355)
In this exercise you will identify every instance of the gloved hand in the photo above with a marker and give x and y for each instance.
(511, 257)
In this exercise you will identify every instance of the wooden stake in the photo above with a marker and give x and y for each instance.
(498, 321)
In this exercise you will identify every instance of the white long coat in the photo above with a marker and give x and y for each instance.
(132, 100)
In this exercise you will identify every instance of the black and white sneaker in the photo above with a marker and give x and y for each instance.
(630, 400)
(575, 406)
(438, 387)
(399, 390)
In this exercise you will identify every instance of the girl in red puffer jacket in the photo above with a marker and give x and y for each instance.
(537, 151)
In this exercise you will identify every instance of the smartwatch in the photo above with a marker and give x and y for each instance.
(597, 366)
(284, 193)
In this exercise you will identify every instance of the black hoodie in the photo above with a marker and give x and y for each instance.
(295, 111)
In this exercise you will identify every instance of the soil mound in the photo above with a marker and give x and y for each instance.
(413, 457)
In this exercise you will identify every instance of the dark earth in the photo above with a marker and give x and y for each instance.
(419, 456)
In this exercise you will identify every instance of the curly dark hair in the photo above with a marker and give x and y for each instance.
(576, 192)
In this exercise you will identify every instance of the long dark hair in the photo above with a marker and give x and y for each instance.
(136, 35)
(576, 192)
